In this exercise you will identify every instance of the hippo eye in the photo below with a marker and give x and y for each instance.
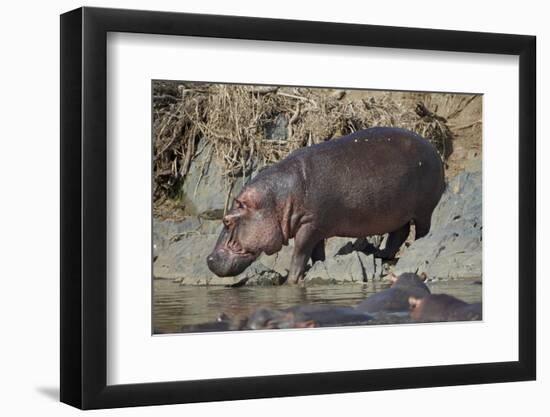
(239, 204)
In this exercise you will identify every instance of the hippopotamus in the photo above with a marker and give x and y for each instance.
(443, 307)
(305, 316)
(222, 323)
(396, 298)
(371, 182)
(214, 326)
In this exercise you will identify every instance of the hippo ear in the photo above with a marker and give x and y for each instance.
(414, 302)
(308, 324)
(222, 317)
(423, 276)
(271, 324)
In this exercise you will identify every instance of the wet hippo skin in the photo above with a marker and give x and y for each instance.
(396, 298)
(309, 315)
(371, 182)
(443, 307)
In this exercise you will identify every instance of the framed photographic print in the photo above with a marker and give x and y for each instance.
(256, 208)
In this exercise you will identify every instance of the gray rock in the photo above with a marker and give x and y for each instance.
(181, 249)
(277, 129)
(334, 244)
(167, 231)
(259, 274)
(280, 261)
(185, 258)
(453, 248)
(204, 188)
(355, 267)
(473, 164)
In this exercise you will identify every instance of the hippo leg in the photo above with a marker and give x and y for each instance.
(318, 253)
(422, 226)
(394, 242)
(304, 242)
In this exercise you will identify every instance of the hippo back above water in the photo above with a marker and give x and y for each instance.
(443, 307)
(396, 298)
(371, 182)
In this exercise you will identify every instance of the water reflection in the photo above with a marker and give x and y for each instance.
(176, 306)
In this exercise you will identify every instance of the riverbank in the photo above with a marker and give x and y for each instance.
(452, 249)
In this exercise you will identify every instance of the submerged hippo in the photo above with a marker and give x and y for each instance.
(443, 307)
(223, 323)
(396, 298)
(304, 316)
(371, 182)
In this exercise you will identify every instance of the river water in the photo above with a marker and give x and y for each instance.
(178, 306)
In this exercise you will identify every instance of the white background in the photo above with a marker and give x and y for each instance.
(133, 60)
(30, 303)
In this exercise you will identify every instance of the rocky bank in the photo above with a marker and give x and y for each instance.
(452, 249)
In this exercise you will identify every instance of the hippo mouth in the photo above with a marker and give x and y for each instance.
(230, 261)
(239, 253)
(236, 250)
(229, 257)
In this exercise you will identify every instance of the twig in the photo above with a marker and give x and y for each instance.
(263, 89)
(177, 237)
(227, 197)
(297, 97)
(459, 110)
(165, 97)
(292, 120)
(465, 126)
(208, 160)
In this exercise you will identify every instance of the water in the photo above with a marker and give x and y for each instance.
(176, 306)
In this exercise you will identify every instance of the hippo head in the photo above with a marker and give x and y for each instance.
(415, 307)
(249, 228)
(410, 281)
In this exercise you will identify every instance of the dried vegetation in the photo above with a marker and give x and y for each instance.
(253, 126)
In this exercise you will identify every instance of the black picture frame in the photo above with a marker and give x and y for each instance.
(84, 207)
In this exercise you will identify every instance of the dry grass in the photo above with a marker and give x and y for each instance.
(236, 120)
